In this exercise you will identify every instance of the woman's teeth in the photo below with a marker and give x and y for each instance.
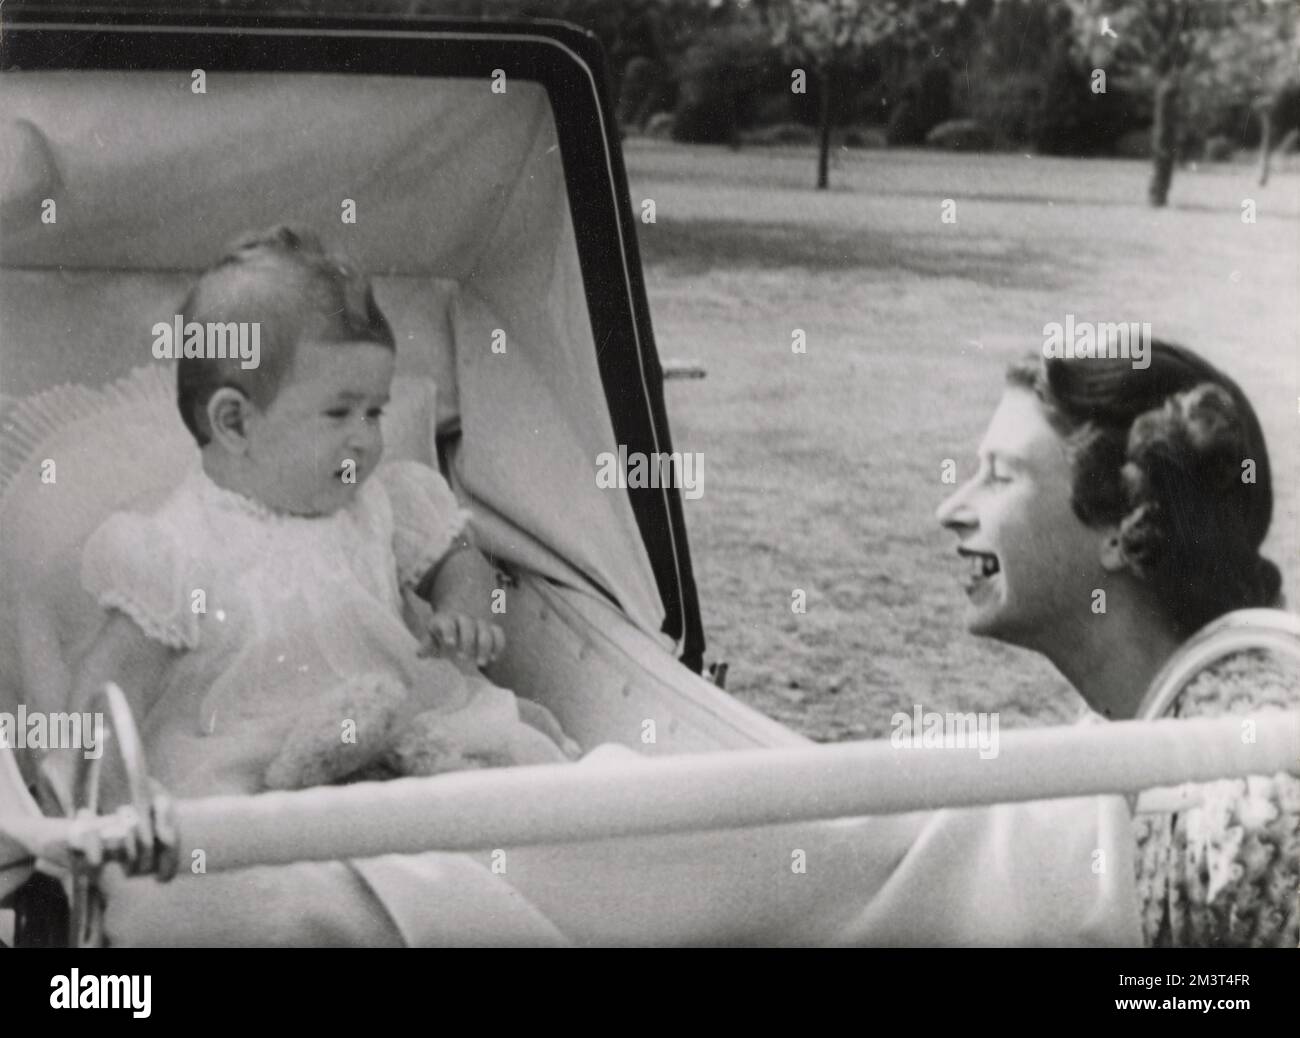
(982, 564)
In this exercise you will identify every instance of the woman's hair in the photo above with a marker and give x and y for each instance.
(283, 280)
(1173, 455)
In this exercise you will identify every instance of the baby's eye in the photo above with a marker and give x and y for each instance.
(375, 413)
(338, 412)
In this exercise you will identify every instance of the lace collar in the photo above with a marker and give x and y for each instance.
(227, 500)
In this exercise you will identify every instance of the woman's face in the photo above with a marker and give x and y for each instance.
(1032, 564)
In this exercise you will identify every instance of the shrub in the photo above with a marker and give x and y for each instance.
(641, 91)
(1071, 119)
(719, 77)
(864, 137)
(773, 107)
(1219, 149)
(1001, 84)
(855, 94)
(781, 133)
(1134, 144)
(925, 103)
(660, 124)
(1006, 104)
(960, 135)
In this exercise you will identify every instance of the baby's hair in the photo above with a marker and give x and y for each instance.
(284, 280)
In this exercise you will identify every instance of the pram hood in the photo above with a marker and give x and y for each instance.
(515, 192)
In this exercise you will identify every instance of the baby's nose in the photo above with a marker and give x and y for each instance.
(365, 435)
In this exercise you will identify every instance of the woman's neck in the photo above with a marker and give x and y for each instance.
(1112, 661)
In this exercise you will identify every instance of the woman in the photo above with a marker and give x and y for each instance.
(1116, 511)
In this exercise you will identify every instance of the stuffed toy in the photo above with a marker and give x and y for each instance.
(366, 729)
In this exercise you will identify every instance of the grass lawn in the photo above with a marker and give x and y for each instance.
(822, 471)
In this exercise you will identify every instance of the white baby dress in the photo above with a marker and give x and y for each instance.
(270, 612)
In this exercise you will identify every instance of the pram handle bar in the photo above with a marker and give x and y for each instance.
(482, 810)
(140, 835)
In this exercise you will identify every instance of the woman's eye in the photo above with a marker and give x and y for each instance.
(337, 412)
(995, 473)
(375, 413)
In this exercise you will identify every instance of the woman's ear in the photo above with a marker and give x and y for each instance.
(1110, 553)
(228, 413)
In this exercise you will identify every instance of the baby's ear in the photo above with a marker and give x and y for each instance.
(228, 411)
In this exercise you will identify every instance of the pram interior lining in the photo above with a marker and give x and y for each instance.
(464, 218)
(92, 326)
(462, 214)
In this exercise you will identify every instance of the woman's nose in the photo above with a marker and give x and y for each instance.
(956, 511)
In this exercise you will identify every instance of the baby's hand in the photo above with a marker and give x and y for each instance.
(466, 636)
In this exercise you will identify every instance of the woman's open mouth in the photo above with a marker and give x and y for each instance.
(984, 568)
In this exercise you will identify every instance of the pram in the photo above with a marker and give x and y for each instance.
(476, 170)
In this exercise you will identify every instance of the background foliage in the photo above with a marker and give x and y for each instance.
(1020, 68)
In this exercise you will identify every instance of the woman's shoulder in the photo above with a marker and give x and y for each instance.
(1223, 872)
(1244, 682)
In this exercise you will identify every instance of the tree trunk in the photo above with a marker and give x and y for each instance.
(824, 133)
(1164, 138)
(1265, 140)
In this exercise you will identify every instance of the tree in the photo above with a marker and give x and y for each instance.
(1253, 71)
(828, 37)
(1177, 50)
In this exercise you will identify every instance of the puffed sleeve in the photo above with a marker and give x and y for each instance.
(133, 564)
(427, 518)
(1225, 872)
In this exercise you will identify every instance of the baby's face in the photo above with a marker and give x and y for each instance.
(319, 440)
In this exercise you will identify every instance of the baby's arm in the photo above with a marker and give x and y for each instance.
(459, 588)
(123, 654)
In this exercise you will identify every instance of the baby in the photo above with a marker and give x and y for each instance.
(261, 620)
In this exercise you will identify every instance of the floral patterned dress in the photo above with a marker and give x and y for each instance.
(1227, 873)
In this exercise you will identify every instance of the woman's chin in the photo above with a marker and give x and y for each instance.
(984, 606)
